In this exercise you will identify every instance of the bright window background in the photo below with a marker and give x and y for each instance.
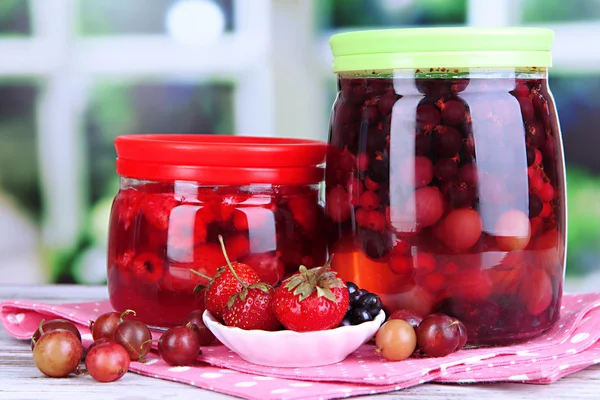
(77, 73)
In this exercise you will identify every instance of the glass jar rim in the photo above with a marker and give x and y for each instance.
(220, 159)
(460, 47)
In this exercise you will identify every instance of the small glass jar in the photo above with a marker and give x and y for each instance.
(178, 193)
(445, 185)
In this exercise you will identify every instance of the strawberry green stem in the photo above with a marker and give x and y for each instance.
(323, 269)
(200, 274)
(229, 263)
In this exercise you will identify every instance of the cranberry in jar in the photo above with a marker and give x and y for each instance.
(449, 196)
(179, 193)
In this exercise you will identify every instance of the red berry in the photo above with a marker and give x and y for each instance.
(521, 90)
(269, 268)
(58, 353)
(527, 111)
(369, 200)
(386, 102)
(512, 230)
(252, 308)
(446, 169)
(370, 184)
(424, 263)
(453, 112)
(471, 285)
(461, 229)
(185, 232)
(223, 285)
(179, 345)
(157, 209)
(468, 174)
(311, 300)
(337, 205)
(147, 268)
(107, 362)
(428, 117)
(52, 325)
(536, 291)
(240, 221)
(227, 206)
(362, 162)
(208, 258)
(346, 160)
(135, 337)
(446, 141)
(400, 264)
(427, 204)
(546, 192)
(375, 220)
(416, 172)
(412, 318)
(129, 202)
(205, 336)
(439, 335)
(238, 246)
(546, 210)
(355, 188)
(432, 282)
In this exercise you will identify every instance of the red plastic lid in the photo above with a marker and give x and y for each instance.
(221, 160)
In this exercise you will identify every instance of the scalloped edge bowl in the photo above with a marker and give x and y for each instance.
(290, 349)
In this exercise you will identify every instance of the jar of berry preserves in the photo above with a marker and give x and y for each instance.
(179, 193)
(445, 176)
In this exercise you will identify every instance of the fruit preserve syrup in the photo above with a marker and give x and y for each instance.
(446, 194)
(161, 231)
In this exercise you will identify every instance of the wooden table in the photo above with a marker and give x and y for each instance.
(20, 379)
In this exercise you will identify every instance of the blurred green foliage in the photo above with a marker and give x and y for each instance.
(391, 13)
(19, 168)
(583, 224)
(110, 17)
(14, 18)
(560, 10)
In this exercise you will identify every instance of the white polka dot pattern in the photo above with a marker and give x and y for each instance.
(571, 345)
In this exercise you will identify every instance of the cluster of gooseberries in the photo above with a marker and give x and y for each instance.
(118, 340)
(406, 333)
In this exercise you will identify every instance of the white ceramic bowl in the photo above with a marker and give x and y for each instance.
(294, 349)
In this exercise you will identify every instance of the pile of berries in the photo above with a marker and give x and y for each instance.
(424, 176)
(159, 232)
(364, 306)
(237, 297)
(118, 340)
(406, 333)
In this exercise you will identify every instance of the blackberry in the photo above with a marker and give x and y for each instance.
(364, 306)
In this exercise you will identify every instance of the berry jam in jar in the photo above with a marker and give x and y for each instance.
(445, 177)
(178, 193)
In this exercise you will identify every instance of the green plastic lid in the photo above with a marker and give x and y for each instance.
(441, 48)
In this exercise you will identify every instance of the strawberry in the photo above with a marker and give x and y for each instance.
(224, 284)
(304, 212)
(147, 268)
(186, 231)
(268, 266)
(208, 258)
(311, 300)
(157, 209)
(129, 202)
(252, 308)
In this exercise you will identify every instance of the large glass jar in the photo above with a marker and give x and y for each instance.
(445, 177)
(180, 192)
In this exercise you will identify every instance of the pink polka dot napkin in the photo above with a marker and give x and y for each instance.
(573, 344)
